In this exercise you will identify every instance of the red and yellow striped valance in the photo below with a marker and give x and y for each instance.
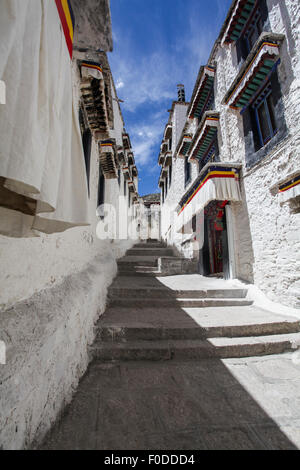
(68, 22)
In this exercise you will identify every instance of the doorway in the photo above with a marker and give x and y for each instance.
(214, 257)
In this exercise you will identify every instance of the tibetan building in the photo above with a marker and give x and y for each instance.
(230, 187)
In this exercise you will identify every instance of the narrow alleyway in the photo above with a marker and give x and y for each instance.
(184, 362)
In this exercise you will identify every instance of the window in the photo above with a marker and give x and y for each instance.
(170, 144)
(119, 176)
(265, 116)
(129, 199)
(101, 190)
(210, 102)
(163, 193)
(170, 175)
(264, 121)
(254, 30)
(257, 23)
(86, 137)
(211, 155)
(187, 171)
(125, 188)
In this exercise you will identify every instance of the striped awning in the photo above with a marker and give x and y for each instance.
(203, 92)
(126, 141)
(163, 149)
(107, 159)
(121, 155)
(184, 145)
(249, 81)
(217, 181)
(290, 188)
(168, 132)
(161, 158)
(130, 158)
(67, 19)
(94, 97)
(239, 17)
(168, 158)
(126, 172)
(90, 68)
(131, 186)
(204, 136)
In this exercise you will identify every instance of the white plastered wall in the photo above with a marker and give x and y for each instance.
(52, 290)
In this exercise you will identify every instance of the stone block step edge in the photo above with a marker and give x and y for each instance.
(192, 349)
(121, 333)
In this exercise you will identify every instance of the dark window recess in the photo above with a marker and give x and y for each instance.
(119, 176)
(163, 193)
(166, 187)
(194, 224)
(257, 23)
(129, 199)
(170, 175)
(101, 188)
(187, 171)
(254, 30)
(170, 144)
(264, 119)
(212, 154)
(209, 105)
(265, 115)
(125, 188)
(86, 137)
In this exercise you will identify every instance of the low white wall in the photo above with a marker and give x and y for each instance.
(47, 338)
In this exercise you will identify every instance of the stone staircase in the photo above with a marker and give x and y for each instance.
(152, 317)
(153, 258)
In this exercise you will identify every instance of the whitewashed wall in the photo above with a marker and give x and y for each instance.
(52, 290)
(268, 240)
(266, 234)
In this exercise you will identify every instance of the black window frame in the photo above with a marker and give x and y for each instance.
(86, 139)
(187, 171)
(258, 21)
(262, 101)
(254, 25)
(170, 175)
(101, 189)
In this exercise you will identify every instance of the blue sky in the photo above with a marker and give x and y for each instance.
(158, 44)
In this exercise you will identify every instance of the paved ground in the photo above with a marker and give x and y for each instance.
(249, 403)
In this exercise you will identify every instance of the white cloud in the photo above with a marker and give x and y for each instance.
(145, 139)
(153, 78)
(119, 84)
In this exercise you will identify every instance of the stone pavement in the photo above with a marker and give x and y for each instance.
(159, 378)
(244, 403)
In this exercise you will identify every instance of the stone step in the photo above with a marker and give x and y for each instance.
(150, 245)
(194, 349)
(118, 292)
(121, 332)
(177, 302)
(132, 261)
(142, 273)
(159, 252)
(138, 269)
